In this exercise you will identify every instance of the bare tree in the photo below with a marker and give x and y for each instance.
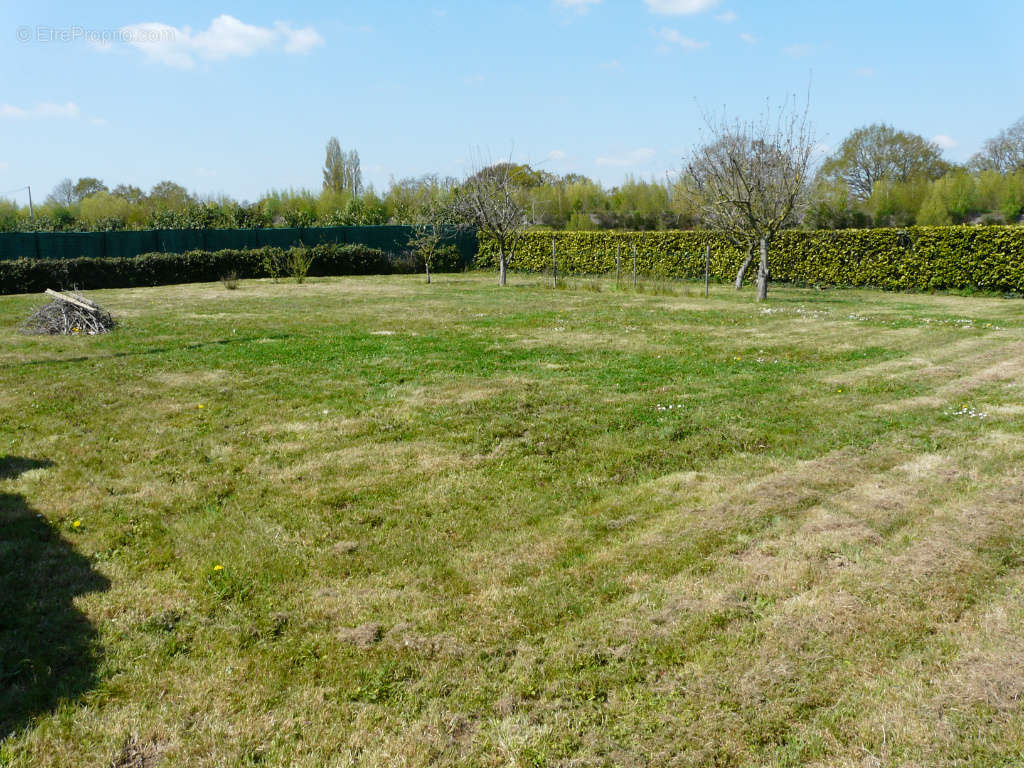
(491, 200)
(727, 220)
(1003, 153)
(432, 226)
(63, 193)
(752, 177)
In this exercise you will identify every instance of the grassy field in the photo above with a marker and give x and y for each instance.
(372, 522)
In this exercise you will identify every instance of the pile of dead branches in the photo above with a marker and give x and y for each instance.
(69, 314)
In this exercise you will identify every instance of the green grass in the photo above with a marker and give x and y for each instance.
(460, 525)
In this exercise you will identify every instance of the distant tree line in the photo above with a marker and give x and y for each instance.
(877, 177)
(883, 177)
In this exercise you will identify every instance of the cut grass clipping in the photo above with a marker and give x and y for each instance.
(373, 522)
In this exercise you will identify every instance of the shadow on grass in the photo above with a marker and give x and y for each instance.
(47, 647)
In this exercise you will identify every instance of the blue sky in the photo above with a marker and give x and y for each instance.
(239, 98)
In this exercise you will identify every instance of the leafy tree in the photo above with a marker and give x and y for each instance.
(167, 194)
(831, 207)
(88, 185)
(950, 200)
(104, 211)
(334, 167)
(1011, 203)
(521, 175)
(10, 216)
(880, 152)
(128, 192)
(895, 203)
(342, 172)
(1003, 153)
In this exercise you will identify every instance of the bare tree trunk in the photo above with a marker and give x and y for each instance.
(502, 266)
(746, 265)
(427, 263)
(762, 272)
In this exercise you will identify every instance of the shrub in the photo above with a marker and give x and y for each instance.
(35, 275)
(298, 263)
(916, 258)
(272, 261)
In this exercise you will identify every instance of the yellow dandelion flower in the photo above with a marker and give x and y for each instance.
(76, 524)
(201, 405)
(218, 567)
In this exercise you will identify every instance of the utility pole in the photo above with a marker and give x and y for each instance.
(31, 212)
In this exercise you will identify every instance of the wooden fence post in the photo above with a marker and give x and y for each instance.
(554, 265)
(707, 269)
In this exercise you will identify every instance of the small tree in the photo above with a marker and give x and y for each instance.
(752, 177)
(432, 225)
(490, 200)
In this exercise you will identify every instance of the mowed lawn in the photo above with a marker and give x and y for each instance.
(368, 521)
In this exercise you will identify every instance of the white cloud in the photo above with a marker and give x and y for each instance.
(613, 64)
(226, 37)
(746, 37)
(946, 142)
(680, 7)
(556, 155)
(865, 72)
(580, 6)
(728, 17)
(44, 109)
(629, 158)
(301, 40)
(798, 51)
(674, 37)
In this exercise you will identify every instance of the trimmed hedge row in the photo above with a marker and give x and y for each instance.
(35, 275)
(916, 258)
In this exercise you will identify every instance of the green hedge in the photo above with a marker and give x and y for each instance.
(916, 258)
(35, 275)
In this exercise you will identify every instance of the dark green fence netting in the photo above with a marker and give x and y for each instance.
(127, 244)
